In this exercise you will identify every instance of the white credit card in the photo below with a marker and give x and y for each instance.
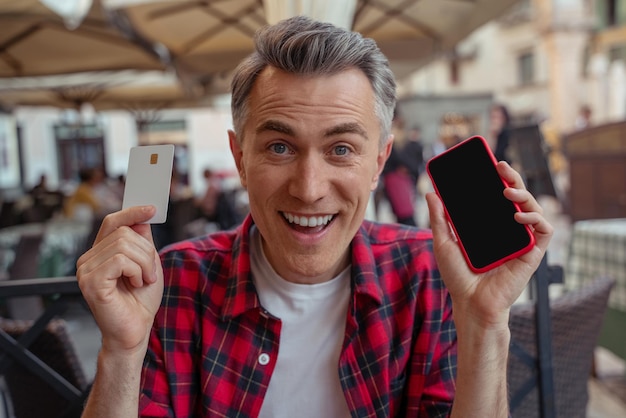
(148, 179)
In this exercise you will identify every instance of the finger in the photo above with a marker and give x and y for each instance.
(446, 248)
(531, 214)
(123, 233)
(442, 232)
(510, 176)
(127, 252)
(542, 229)
(100, 284)
(516, 190)
(438, 221)
(524, 200)
(126, 243)
(133, 216)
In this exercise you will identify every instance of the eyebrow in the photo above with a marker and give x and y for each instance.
(277, 126)
(349, 128)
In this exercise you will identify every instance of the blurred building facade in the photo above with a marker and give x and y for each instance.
(59, 143)
(544, 59)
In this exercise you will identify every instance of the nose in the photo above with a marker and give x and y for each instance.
(309, 179)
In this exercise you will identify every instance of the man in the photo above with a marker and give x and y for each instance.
(306, 309)
(415, 152)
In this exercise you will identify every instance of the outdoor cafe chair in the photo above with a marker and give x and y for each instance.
(575, 319)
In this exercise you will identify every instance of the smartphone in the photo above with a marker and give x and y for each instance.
(467, 182)
(148, 179)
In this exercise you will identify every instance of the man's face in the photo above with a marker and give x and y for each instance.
(309, 158)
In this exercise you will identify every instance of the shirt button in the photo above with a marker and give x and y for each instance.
(264, 358)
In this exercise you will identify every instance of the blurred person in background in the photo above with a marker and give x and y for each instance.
(40, 189)
(107, 192)
(181, 209)
(42, 202)
(453, 129)
(83, 203)
(399, 181)
(179, 189)
(414, 152)
(583, 120)
(498, 138)
(208, 202)
(118, 185)
(93, 198)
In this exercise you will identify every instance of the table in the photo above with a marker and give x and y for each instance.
(63, 239)
(598, 248)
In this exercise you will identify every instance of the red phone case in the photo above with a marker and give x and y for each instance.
(501, 260)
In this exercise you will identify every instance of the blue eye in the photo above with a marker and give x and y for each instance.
(341, 150)
(279, 148)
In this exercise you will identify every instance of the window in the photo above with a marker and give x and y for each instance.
(11, 165)
(617, 53)
(611, 12)
(526, 68)
(168, 132)
(162, 132)
(79, 147)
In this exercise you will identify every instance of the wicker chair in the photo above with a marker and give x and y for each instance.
(25, 266)
(40, 373)
(32, 397)
(576, 318)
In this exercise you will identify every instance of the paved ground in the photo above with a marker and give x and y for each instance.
(607, 392)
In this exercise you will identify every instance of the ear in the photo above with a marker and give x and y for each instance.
(381, 159)
(235, 149)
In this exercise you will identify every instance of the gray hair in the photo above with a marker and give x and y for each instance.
(300, 45)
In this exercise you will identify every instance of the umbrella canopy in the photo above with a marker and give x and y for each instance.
(130, 90)
(34, 41)
(207, 37)
(202, 40)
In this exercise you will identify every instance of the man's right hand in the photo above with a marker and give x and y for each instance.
(121, 279)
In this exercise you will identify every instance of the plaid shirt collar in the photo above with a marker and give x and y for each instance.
(241, 295)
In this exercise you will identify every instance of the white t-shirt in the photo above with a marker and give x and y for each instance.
(305, 381)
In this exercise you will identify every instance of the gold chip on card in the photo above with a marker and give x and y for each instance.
(154, 158)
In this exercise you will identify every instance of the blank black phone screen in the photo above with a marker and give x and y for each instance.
(472, 192)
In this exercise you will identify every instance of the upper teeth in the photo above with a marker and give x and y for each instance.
(310, 221)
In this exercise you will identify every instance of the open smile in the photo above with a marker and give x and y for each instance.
(308, 221)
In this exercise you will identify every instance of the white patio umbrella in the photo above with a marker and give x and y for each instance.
(120, 90)
(202, 41)
(208, 37)
(35, 41)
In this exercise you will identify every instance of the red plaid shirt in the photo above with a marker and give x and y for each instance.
(213, 347)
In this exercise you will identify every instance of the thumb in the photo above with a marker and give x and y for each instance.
(143, 215)
(438, 221)
(134, 217)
